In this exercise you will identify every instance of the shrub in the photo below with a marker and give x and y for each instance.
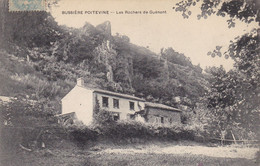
(80, 135)
(124, 130)
(26, 122)
(101, 116)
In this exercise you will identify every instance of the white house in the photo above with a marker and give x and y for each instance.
(82, 101)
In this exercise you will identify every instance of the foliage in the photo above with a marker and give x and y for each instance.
(81, 135)
(235, 92)
(29, 29)
(28, 123)
(101, 116)
(20, 108)
(232, 99)
(245, 10)
(130, 129)
(172, 56)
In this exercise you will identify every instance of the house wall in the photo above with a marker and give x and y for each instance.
(124, 107)
(154, 116)
(80, 101)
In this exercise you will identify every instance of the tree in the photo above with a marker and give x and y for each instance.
(245, 10)
(233, 95)
(232, 102)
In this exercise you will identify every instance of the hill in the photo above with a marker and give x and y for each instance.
(43, 60)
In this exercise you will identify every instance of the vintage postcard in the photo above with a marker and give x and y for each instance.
(129, 82)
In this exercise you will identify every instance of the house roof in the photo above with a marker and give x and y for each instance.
(114, 93)
(162, 106)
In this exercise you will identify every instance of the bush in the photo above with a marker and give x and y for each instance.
(80, 135)
(27, 123)
(103, 117)
(125, 130)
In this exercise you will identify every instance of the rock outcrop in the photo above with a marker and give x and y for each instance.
(88, 29)
(105, 28)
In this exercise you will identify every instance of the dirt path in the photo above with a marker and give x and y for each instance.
(223, 152)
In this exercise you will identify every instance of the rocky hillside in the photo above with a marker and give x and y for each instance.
(43, 60)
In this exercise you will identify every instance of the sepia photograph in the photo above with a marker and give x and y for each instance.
(129, 82)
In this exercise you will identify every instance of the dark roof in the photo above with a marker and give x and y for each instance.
(162, 106)
(114, 94)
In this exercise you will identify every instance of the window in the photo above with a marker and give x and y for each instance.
(116, 116)
(131, 116)
(132, 105)
(162, 120)
(105, 101)
(116, 103)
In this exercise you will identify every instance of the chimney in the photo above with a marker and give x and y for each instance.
(80, 81)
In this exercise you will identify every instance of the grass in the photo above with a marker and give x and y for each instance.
(69, 154)
(85, 158)
(162, 159)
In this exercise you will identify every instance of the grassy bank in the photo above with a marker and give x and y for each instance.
(68, 154)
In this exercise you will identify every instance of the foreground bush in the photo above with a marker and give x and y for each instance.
(81, 135)
(29, 124)
(123, 131)
(105, 127)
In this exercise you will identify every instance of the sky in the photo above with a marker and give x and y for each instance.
(192, 37)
